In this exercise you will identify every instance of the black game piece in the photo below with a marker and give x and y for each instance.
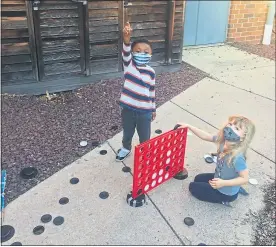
(28, 172)
(158, 132)
(189, 221)
(38, 230)
(126, 169)
(74, 180)
(63, 200)
(7, 233)
(58, 221)
(46, 218)
(16, 244)
(103, 152)
(103, 195)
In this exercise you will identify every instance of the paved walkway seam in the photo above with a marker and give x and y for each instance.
(248, 91)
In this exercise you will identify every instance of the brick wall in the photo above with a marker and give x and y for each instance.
(246, 21)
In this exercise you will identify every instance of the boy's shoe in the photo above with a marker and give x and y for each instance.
(122, 154)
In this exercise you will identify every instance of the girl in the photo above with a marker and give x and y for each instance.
(231, 171)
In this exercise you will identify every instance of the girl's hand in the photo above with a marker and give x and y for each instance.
(216, 183)
(127, 33)
(183, 125)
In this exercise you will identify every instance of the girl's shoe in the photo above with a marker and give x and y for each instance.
(122, 154)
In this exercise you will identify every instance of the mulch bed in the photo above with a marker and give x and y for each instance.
(46, 133)
(267, 51)
(266, 224)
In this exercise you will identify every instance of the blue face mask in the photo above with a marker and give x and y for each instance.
(230, 135)
(141, 58)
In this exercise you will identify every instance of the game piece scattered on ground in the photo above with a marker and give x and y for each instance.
(189, 221)
(74, 180)
(83, 143)
(46, 218)
(28, 172)
(104, 195)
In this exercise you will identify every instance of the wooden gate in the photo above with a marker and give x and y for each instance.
(58, 27)
(19, 62)
(103, 26)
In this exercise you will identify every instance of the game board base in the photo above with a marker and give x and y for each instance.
(137, 202)
(181, 175)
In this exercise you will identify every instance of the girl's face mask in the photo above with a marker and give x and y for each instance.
(141, 58)
(230, 135)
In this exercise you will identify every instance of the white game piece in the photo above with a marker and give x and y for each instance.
(83, 143)
(253, 181)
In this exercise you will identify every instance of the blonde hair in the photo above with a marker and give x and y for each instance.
(241, 146)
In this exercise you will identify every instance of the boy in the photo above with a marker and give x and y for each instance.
(138, 93)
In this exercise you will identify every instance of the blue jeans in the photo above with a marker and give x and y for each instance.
(132, 120)
(202, 190)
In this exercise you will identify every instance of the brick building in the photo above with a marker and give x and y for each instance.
(212, 22)
(247, 20)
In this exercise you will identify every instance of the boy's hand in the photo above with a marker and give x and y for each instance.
(127, 33)
(153, 116)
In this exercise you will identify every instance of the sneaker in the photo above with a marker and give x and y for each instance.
(122, 154)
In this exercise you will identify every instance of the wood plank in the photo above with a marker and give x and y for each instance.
(14, 33)
(58, 14)
(12, 2)
(60, 31)
(15, 49)
(146, 17)
(103, 5)
(178, 17)
(17, 76)
(15, 59)
(99, 37)
(147, 10)
(148, 32)
(147, 3)
(103, 50)
(105, 22)
(104, 66)
(104, 29)
(14, 40)
(60, 5)
(102, 13)
(13, 8)
(148, 25)
(14, 22)
(157, 38)
(158, 45)
(53, 57)
(60, 46)
(158, 57)
(64, 22)
(57, 2)
(8, 68)
(60, 68)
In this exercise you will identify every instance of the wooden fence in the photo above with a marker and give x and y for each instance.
(59, 45)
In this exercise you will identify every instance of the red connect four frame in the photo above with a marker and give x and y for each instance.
(158, 160)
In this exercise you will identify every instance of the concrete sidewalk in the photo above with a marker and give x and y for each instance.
(90, 220)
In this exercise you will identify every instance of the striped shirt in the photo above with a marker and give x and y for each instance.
(138, 92)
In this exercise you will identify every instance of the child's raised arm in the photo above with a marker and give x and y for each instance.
(126, 46)
(198, 132)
